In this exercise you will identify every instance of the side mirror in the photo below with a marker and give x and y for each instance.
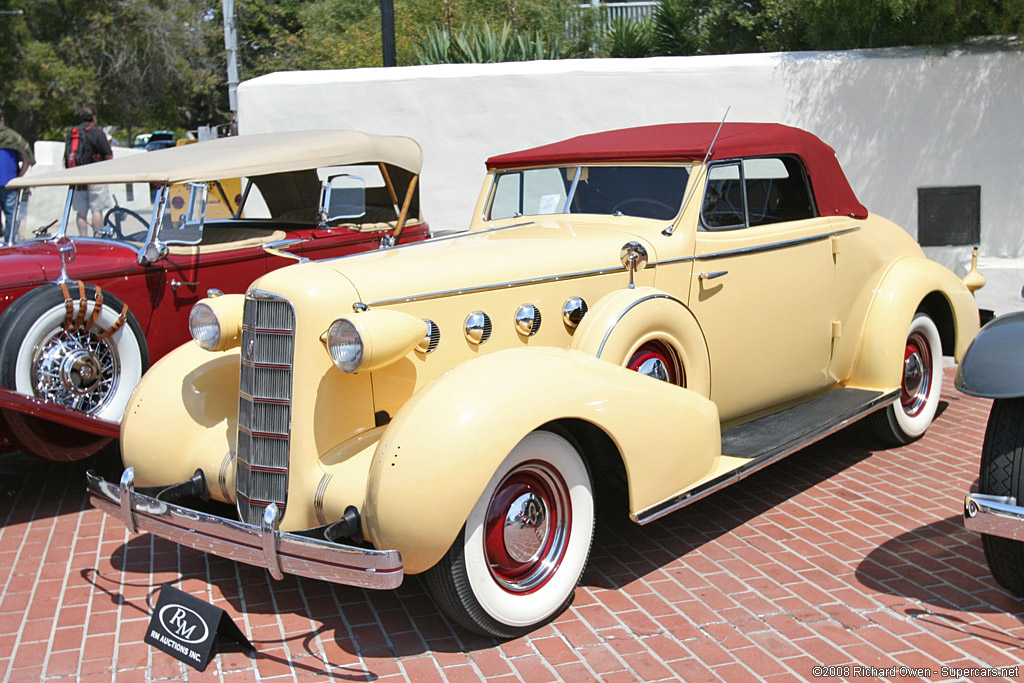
(342, 196)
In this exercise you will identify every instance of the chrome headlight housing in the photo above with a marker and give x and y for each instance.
(216, 322)
(345, 345)
(204, 326)
(371, 339)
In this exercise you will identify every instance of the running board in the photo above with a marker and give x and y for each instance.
(768, 439)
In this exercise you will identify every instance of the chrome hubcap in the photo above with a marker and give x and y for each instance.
(654, 367)
(526, 529)
(917, 369)
(75, 369)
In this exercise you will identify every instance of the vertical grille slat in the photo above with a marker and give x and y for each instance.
(264, 404)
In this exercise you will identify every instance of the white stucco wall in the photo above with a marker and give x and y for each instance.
(898, 119)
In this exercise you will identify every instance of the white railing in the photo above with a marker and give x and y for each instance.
(610, 11)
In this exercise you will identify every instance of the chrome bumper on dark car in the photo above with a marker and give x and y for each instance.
(994, 515)
(264, 546)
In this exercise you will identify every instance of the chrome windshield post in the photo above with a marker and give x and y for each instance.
(152, 250)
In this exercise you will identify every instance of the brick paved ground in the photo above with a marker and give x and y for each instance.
(839, 556)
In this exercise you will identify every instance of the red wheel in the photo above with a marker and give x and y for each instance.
(920, 386)
(655, 359)
(917, 374)
(517, 561)
(527, 527)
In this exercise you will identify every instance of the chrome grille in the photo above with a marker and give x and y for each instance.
(264, 404)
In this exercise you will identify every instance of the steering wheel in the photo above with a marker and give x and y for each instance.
(647, 200)
(115, 217)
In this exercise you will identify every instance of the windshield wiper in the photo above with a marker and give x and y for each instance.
(39, 232)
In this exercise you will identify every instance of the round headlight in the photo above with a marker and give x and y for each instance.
(345, 345)
(204, 326)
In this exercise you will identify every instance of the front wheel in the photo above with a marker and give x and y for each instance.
(516, 563)
(78, 347)
(1002, 462)
(921, 387)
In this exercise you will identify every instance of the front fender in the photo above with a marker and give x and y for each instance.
(896, 299)
(182, 417)
(993, 366)
(443, 446)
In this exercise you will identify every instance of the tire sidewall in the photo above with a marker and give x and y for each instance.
(532, 608)
(914, 426)
(42, 311)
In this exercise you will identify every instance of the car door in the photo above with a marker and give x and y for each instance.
(763, 285)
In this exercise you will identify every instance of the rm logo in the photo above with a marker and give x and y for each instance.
(184, 624)
(186, 628)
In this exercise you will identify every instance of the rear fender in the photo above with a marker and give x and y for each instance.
(993, 366)
(896, 299)
(443, 446)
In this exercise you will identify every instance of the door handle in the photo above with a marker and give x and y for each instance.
(712, 276)
(178, 283)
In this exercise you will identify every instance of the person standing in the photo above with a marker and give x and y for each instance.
(15, 159)
(86, 144)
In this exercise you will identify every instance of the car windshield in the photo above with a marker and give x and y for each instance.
(122, 211)
(641, 191)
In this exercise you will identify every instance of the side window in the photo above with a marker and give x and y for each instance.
(777, 190)
(724, 205)
(757, 191)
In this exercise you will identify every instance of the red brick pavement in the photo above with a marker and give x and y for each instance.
(838, 556)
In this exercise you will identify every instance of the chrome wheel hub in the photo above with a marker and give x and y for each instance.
(917, 370)
(654, 367)
(75, 369)
(526, 530)
(913, 373)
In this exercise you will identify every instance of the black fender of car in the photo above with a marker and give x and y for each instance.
(993, 366)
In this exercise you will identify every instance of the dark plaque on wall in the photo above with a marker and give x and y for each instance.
(186, 627)
(948, 216)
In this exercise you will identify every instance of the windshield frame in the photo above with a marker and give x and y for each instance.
(577, 174)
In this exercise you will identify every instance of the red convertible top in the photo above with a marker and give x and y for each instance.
(690, 141)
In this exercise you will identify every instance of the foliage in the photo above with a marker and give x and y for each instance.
(149, 64)
(628, 38)
(483, 44)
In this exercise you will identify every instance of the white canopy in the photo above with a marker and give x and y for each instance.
(245, 155)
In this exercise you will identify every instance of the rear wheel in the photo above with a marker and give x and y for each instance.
(1002, 474)
(517, 561)
(921, 387)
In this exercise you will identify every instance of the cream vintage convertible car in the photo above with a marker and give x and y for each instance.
(643, 316)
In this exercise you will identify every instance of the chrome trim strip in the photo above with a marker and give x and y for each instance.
(502, 285)
(268, 531)
(298, 555)
(603, 271)
(693, 495)
(994, 515)
(222, 475)
(611, 328)
(318, 498)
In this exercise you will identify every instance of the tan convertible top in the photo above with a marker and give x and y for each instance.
(245, 155)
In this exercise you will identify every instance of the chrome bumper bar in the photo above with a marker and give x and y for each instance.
(994, 515)
(279, 552)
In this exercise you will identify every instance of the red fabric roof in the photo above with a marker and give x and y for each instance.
(689, 142)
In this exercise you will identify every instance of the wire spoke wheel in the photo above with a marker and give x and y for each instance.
(76, 369)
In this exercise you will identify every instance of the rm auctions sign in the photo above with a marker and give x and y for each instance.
(186, 627)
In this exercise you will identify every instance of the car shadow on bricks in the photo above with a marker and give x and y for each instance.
(940, 565)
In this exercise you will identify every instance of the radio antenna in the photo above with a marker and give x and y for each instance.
(667, 232)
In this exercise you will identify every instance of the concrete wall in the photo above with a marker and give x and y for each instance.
(899, 119)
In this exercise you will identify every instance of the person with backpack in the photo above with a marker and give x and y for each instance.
(86, 144)
(15, 158)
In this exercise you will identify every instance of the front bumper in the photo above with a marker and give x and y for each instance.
(278, 552)
(994, 515)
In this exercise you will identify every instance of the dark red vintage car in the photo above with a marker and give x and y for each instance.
(93, 294)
